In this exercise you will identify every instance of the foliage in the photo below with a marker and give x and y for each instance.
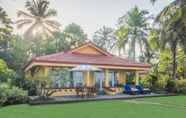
(72, 36)
(165, 63)
(5, 72)
(152, 48)
(181, 86)
(133, 28)
(5, 30)
(11, 94)
(58, 43)
(149, 81)
(42, 82)
(171, 86)
(37, 21)
(104, 38)
(172, 27)
(19, 52)
(75, 35)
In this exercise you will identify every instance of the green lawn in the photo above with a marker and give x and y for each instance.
(164, 107)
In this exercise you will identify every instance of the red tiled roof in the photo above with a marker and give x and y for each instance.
(70, 58)
(74, 58)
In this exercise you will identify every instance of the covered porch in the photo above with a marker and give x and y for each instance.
(107, 81)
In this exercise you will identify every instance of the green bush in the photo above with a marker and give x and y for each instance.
(5, 72)
(149, 81)
(181, 86)
(145, 82)
(11, 94)
(171, 86)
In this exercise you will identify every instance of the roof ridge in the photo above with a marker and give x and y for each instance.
(48, 55)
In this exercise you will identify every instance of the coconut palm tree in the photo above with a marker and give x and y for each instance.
(172, 21)
(133, 29)
(37, 21)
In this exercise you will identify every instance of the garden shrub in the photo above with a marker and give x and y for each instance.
(5, 72)
(161, 83)
(181, 86)
(171, 86)
(11, 94)
(145, 82)
(149, 81)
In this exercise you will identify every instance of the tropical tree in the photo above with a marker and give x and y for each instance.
(133, 29)
(72, 36)
(5, 72)
(38, 20)
(57, 43)
(105, 38)
(75, 35)
(5, 30)
(19, 53)
(169, 35)
(171, 12)
(152, 47)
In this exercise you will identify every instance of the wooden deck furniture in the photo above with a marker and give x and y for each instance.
(86, 91)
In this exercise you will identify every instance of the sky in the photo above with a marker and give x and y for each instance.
(89, 14)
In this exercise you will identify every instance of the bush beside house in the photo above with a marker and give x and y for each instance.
(10, 94)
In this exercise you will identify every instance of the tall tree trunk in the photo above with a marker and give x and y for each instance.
(134, 44)
(119, 51)
(173, 49)
(135, 49)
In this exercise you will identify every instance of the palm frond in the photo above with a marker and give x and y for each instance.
(24, 14)
(54, 24)
(29, 32)
(50, 13)
(23, 22)
(37, 17)
(163, 15)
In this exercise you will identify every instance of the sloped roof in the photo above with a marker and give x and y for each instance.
(97, 57)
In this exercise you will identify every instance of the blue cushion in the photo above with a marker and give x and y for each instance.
(140, 88)
(127, 89)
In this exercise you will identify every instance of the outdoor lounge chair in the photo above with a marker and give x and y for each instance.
(142, 90)
(129, 90)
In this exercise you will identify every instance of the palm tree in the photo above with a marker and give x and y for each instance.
(173, 17)
(133, 29)
(104, 38)
(172, 28)
(38, 19)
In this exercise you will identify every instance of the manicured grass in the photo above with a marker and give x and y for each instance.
(141, 108)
